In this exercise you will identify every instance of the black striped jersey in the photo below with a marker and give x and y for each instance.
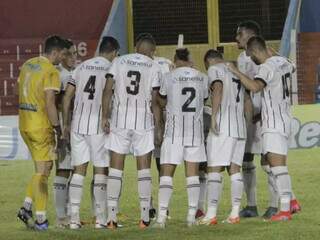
(276, 73)
(185, 89)
(65, 76)
(135, 76)
(249, 68)
(230, 118)
(89, 79)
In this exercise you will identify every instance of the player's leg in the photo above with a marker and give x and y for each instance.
(193, 190)
(165, 192)
(60, 193)
(272, 187)
(203, 189)
(249, 182)
(100, 159)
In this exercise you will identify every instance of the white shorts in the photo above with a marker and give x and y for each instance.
(124, 141)
(65, 164)
(275, 143)
(224, 150)
(89, 147)
(254, 139)
(176, 153)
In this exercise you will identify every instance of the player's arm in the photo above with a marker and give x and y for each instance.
(248, 107)
(255, 85)
(66, 104)
(106, 101)
(52, 111)
(216, 98)
(158, 115)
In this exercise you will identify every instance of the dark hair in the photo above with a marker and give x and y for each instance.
(108, 45)
(182, 54)
(68, 43)
(257, 42)
(53, 43)
(145, 37)
(251, 25)
(211, 53)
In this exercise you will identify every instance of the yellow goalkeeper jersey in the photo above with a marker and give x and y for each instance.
(36, 76)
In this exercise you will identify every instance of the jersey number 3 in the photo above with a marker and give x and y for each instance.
(90, 87)
(135, 77)
(185, 106)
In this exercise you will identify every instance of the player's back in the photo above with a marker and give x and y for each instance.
(89, 81)
(230, 118)
(186, 89)
(36, 76)
(135, 77)
(276, 98)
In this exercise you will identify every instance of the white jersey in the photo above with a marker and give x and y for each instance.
(65, 76)
(89, 80)
(249, 68)
(276, 73)
(135, 77)
(185, 89)
(230, 118)
(164, 63)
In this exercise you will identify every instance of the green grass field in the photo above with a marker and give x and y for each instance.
(303, 165)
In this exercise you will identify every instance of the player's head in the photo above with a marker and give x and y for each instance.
(70, 58)
(257, 49)
(55, 49)
(109, 47)
(145, 44)
(246, 30)
(182, 58)
(212, 57)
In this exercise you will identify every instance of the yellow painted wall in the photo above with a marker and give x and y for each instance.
(231, 51)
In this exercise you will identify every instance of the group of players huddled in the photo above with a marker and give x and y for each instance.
(110, 105)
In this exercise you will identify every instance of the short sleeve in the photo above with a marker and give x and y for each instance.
(215, 74)
(163, 86)
(51, 81)
(72, 79)
(156, 78)
(264, 74)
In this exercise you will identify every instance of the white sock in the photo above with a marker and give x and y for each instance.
(165, 192)
(113, 192)
(273, 191)
(60, 193)
(214, 189)
(250, 182)
(75, 195)
(284, 186)
(193, 189)
(27, 204)
(203, 190)
(100, 193)
(144, 189)
(236, 193)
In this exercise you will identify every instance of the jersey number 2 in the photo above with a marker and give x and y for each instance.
(90, 87)
(135, 77)
(185, 106)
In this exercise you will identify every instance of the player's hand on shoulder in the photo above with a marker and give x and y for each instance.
(232, 67)
(105, 125)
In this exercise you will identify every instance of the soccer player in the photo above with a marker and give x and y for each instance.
(63, 165)
(272, 80)
(226, 139)
(184, 90)
(39, 126)
(245, 31)
(87, 137)
(135, 79)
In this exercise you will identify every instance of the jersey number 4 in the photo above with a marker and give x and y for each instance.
(90, 87)
(185, 106)
(135, 77)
